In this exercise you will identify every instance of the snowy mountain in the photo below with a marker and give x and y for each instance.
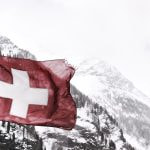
(95, 129)
(9, 48)
(105, 85)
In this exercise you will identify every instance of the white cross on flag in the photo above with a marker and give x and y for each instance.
(36, 92)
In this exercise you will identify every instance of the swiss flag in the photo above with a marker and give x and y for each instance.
(36, 92)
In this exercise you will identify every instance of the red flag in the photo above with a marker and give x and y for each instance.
(36, 92)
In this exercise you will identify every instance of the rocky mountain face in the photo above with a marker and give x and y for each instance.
(95, 129)
(105, 85)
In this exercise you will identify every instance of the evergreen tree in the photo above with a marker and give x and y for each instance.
(8, 127)
(13, 137)
(3, 123)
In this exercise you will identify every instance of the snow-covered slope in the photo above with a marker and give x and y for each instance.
(105, 85)
(95, 129)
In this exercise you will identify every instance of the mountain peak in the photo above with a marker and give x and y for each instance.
(104, 84)
(100, 71)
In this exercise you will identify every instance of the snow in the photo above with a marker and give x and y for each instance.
(135, 143)
(87, 84)
(48, 143)
(104, 84)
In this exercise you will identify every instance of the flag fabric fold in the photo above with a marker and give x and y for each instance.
(36, 92)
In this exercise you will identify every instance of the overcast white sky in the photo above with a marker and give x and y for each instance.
(117, 31)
